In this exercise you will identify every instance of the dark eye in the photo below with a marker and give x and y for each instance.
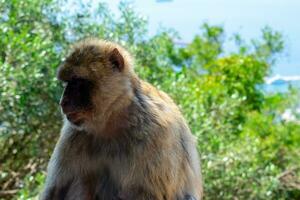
(80, 83)
(77, 82)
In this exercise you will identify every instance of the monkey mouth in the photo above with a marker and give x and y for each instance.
(75, 118)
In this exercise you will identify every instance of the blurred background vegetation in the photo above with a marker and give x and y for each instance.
(248, 150)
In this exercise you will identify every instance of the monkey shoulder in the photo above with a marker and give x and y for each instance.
(158, 116)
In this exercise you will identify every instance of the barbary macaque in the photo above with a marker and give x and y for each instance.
(122, 138)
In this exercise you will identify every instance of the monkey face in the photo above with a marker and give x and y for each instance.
(76, 101)
(96, 75)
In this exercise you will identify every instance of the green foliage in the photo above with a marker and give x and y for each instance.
(248, 151)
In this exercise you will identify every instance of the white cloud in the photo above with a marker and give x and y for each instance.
(270, 80)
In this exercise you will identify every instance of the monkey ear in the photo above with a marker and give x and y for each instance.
(116, 59)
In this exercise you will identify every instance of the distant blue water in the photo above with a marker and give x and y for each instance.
(280, 86)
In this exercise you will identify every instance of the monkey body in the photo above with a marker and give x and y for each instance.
(138, 147)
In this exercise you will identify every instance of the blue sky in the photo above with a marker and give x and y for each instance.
(244, 16)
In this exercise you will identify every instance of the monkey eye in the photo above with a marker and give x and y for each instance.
(76, 81)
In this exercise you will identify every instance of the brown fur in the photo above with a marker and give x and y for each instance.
(134, 144)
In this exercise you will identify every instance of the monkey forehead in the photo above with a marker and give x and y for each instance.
(85, 54)
(66, 72)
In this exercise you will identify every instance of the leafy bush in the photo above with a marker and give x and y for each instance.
(248, 151)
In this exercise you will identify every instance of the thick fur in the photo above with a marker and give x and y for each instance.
(136, 144)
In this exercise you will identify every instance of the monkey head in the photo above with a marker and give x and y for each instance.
(96, 74)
